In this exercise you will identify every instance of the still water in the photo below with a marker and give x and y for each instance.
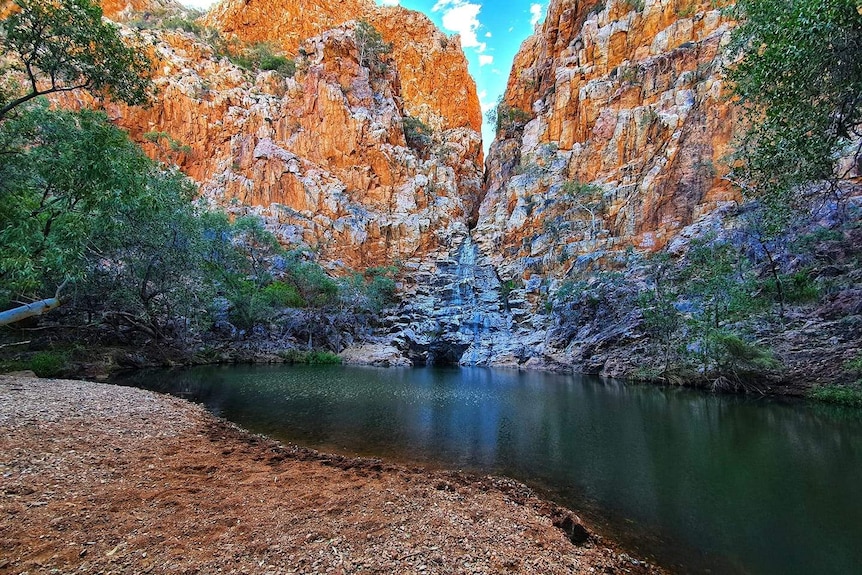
(699, 483)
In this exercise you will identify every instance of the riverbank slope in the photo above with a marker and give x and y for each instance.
(98, 477)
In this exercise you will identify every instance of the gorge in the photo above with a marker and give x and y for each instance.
(672, 196)
(614, 144)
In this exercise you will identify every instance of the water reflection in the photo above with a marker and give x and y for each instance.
(725, 483)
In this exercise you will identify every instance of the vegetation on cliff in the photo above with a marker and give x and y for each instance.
(85, 212)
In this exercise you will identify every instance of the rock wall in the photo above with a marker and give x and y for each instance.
(611, 137)
(618, 127)
(321, 155)
(435, 84)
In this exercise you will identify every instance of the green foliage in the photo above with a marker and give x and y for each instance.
(370, 291)
(373, 50)
(65, 45)
(280, 294)
(687, 10)
(735, 355)
(417, 133)
(854, 366)
(169, 147)
(49, 363)
(800, 81)
(849, 396)
(317, 289)
(310, 357)
(64, 176)
(182, 22)
(573, 189)
(262, 56)
(637, 5)
(800, 287)
(508, 119)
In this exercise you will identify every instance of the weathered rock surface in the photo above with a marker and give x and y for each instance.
(625, 124)
(322, 155)
(611, 136)
(435, 84)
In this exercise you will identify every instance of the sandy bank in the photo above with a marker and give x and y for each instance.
(99, 478)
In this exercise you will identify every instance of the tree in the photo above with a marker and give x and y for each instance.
(372, 48)
(64, 45)
(81, 204)
(799, 79)
(63, 175)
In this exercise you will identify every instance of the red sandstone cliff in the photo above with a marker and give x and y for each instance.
(623, 127)
(430, 63)
(321, 155)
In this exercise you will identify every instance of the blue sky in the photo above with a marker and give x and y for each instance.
(491, 32)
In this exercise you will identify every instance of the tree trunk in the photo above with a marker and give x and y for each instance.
(29, 310)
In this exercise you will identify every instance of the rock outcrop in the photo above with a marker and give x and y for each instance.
(435, 84)
(613, 132)
(611, 137)
(321, 153)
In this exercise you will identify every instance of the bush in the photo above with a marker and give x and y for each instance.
(507, 119)
(322, 358)
(800, 288)
(279, 294)
(417, 133)
(372, 49)
(849, 396)
(736, 356)
(295, 356)
(49, 363)
(262, 56)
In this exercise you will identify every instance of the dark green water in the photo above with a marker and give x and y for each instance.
(700, 483)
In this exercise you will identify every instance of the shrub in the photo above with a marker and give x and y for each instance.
(49, 363)
(262, 56)
(735, 355)
(849, 396)
(800, 288)
(372, 48)
(280, 294)
(295, 356)
(417, 133)
(322, 358)
(575, 189)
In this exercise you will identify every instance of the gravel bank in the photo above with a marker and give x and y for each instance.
(96, 478)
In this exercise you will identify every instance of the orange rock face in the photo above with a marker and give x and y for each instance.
(622, 135)
(429, 62)
(118, 10)
(321, 155)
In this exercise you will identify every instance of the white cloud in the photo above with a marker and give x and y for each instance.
(484, 102)
(535, 13)
(462, 17)
(485, 59)
(487, 34)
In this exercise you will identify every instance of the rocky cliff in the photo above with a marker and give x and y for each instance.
(610, 137)
(435, 84)
(611, 134)
(320, 152)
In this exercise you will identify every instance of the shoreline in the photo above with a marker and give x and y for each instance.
(98, 476)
